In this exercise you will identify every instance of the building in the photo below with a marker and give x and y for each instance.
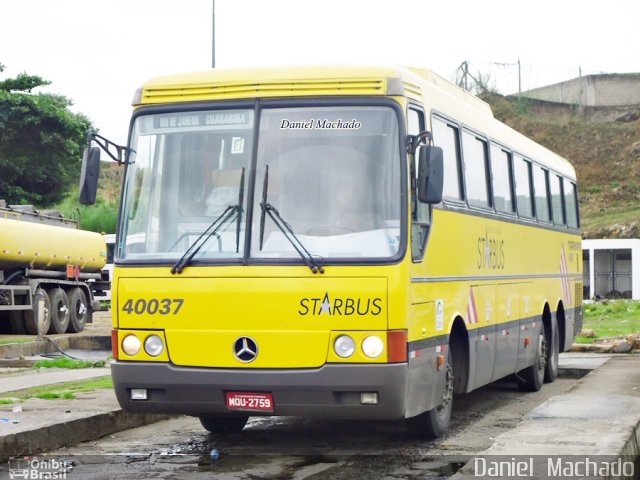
(611, 268)
(604, 90)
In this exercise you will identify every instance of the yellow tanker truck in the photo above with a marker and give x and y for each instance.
(50, 272)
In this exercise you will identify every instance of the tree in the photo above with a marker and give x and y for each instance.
(41, 142)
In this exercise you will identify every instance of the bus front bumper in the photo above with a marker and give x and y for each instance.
(331, 391)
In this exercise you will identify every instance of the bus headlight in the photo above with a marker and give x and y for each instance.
(373, 346)
(344, 346)
(153, 345)
(131, 345)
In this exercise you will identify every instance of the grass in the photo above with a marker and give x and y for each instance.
(66, 362)
(16, 340)
(67, 390)
(605, 218)
(613, 318)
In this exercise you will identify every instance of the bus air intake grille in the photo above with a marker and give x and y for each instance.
(196, 92)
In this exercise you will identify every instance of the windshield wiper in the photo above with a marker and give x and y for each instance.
(212, 230)
(285, 228)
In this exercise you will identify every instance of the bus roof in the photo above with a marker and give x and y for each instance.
(425, 86)
(219, 84)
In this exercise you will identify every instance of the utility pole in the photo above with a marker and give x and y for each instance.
(463, 71)
(504, 65)
(213, 33)
(519, 81)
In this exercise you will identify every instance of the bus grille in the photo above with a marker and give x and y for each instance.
(195, 92)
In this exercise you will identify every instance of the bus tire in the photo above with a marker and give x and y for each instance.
(435, 422)
(40, 298)
(530, 379)
(553, 351)
(59, 310)
(78, 310)
(223, 424)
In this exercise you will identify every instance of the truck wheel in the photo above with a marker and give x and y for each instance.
(40, 301)
(78, 310)
(59, 310)
(16, 320)
(5, 324)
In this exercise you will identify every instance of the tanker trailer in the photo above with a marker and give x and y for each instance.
(48, 273)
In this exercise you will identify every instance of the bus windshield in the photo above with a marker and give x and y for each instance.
(334, 181)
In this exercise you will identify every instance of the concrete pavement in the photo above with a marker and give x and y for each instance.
(599, 416)
(598, 419)
(37, 425)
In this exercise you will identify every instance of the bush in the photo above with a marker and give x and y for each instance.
(101, 217)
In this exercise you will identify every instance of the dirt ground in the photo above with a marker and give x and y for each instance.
(101, 324)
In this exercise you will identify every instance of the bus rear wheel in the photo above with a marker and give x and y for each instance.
(223, 424)
(551, 368)
(435, 422)
(531, 378)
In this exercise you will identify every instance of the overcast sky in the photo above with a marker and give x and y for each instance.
(98, 53)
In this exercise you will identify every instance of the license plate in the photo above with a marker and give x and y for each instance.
(252, 402)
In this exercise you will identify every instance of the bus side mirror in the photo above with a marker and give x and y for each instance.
(89, 175)
(430, 174)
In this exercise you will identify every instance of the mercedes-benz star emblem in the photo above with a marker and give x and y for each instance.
(245, 349)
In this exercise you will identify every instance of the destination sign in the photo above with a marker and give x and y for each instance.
(235, 118)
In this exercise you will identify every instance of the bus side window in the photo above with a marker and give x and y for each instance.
(522, 170)
(571, 203)
(502, 179)
(540, 184)
(474, 154)
(557, 205)
(447, 136)
(420, 213)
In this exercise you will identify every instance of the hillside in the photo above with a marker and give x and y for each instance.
(605, 154)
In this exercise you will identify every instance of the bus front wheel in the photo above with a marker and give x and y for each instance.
(435, 422)
(223, 424)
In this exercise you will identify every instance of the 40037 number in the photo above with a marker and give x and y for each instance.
(154, 306)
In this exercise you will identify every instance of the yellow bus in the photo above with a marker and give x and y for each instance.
(345, 242)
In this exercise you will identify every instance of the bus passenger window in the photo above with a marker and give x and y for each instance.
(522, 170)
(446, 137)
(474, 152)
(571, 203)
(540, 176)
(501, 174)
(556, 200)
